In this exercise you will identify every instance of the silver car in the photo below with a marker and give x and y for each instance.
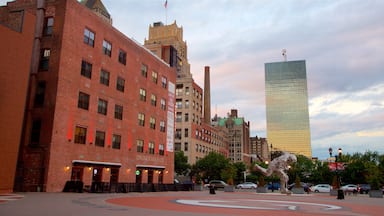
(321, 188)
(247, 185)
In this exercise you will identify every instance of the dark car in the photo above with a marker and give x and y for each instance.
(217, 184)
(274, 186)
(305, 186)
(363, 188)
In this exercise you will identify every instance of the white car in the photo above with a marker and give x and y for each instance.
(247, 185)
(349, 188)
(321, 188)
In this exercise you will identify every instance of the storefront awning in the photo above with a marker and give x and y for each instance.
(95, 163)
(149, 166)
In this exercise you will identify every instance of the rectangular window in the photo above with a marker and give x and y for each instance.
(186, 90)
(80, 134)
(178, 117)
(86, 69)
(186, 104)
(102, 106)
(40, 93)
(104, 77)
(151, 148)
(116, 141)
(162, 126)
(100, 138)
(89, 37)
(153, 100)
(118, 112)
(83, 101)
(177, 146)
(44, 59)
(143, 95)
(178, 134)
(48, 26)
(163, 104)
(144, 70)
(161, 149)
(179, 103)
(186, 132)
(122, 57)
(107, 48)
(140, 145)
(154, 77)
(152, 123)
(164, 82)
(141, 119)
(186, 117)
(35, 133)
(120, 84)
(185, 146)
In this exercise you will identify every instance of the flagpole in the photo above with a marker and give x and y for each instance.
(166, 11)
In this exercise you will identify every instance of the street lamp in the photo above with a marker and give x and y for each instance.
(340, 193)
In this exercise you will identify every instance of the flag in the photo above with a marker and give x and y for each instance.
(166, 3)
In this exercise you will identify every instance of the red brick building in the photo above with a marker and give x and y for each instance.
(100, 108)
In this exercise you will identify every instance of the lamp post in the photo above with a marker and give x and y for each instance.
(340, 193)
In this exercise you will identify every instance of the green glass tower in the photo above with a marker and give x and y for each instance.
(287, 107)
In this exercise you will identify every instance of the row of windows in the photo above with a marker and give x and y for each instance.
(102, 108)
(81, 134)
(180, 91)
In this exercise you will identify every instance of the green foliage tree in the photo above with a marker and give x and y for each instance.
(211, 166)
(181, 163)
(240, 168)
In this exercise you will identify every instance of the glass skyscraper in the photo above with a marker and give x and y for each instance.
(287, 107)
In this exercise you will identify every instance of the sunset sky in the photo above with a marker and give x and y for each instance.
(341, 41)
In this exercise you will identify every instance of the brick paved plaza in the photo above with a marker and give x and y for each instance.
(186, 204)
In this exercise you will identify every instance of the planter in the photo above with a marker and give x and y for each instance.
(229, 188)
(261, 190)
(376, 194)
(297, 190)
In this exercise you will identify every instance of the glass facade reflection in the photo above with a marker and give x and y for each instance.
(287, 107)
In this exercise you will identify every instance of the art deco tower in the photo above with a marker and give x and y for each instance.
(287, 107)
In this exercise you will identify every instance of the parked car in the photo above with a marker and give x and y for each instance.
(321, 188)
(304, 185)
(349, 188)
(274, 186)
(217, 184)
(363, 188)
(247, 185)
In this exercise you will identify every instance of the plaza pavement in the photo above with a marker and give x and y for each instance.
(193, 203)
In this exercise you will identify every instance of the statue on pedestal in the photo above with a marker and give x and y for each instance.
(278, 166)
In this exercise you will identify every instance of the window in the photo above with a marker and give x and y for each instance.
(177, 146)
(178, 117)
(104, 77)
(89, 37)
(163, 104)
(118, 112)
(152, 123)
(154, 76)
(186, 132)
(83, 101)
(102, 107)
(40, 93)
(162, 126)
(185, 146)
(178, 134)
(186, 90)
(44, 59)
(144, 70)
(179, 103)
(48, 26)
(107, 48)
(35, 133)
(153, 100)
(141, 118)
(161, 149)
(143, 94)
(120, 84)
(116, 141)
(164, 82)
(140, 145)
(151, 148)
(86, 69)
(122, 57)
(100, 138)
(80, 134)
(186, 104)
(186, 117)
(179, 89)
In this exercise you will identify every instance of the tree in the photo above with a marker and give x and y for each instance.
(211, 166)
(181, 163)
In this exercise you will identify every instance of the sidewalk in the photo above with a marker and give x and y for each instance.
(187, 204)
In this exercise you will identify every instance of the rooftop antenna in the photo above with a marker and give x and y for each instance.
(284, 53)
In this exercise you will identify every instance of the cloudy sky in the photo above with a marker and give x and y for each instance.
(341, 41)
